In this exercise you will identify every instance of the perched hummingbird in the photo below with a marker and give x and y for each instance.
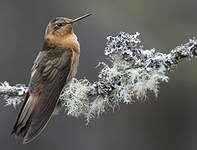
(54, 67)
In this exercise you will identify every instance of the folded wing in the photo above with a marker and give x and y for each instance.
(49, 75)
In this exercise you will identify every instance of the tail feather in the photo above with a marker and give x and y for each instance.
(23, 120)
(38, 108)
(17, 120)
(36, 112)
(42, 113)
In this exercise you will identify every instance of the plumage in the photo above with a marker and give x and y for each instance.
(49, 77)
(53, 68)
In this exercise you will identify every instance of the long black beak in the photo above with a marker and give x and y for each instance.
(82, 17)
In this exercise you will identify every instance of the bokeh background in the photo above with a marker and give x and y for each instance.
(167, 122)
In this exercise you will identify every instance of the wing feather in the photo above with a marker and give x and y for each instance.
(49, 75)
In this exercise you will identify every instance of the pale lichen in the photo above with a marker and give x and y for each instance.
(13, 95)
(74, 97)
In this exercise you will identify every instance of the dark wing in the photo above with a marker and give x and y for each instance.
(20, 126)
(49, 75)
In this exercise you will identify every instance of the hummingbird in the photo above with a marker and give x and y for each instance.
(54, 67)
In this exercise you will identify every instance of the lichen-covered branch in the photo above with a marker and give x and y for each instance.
(13, 95)
(131, 72)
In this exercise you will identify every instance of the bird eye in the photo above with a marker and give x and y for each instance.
(59, 24)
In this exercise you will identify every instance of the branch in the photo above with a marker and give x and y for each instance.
(133, 71)
(13, 95)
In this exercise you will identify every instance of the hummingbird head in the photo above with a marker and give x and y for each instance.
(61, 26)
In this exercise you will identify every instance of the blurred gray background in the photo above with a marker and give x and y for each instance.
(167, 122)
